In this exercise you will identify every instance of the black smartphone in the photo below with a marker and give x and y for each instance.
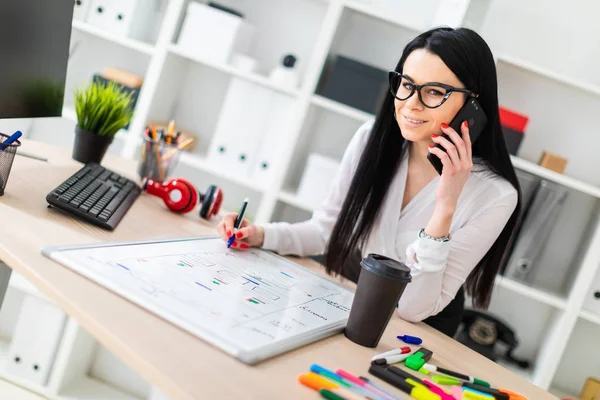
(474, 115)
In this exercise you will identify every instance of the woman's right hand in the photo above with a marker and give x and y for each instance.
(249, 235)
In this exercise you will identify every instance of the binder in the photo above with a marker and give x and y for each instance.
(131, 18)
(592, 299)
(242, 120)
(81, 10)
(538, 222)
(35, 340)
(269, 146)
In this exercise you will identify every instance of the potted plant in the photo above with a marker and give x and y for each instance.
(102, 110)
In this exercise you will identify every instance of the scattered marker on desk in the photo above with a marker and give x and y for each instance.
(410, 339)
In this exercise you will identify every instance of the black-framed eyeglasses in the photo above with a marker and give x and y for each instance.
(431, 94)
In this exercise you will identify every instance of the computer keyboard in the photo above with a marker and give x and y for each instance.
(95, 194)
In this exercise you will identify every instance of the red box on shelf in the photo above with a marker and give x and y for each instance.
(513, 128)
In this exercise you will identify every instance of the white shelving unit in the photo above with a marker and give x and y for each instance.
(191, 90)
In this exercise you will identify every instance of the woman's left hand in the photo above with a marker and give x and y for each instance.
(457, 162)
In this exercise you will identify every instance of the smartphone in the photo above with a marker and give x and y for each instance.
(474, 115)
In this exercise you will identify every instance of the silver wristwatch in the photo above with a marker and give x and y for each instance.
(423, 235)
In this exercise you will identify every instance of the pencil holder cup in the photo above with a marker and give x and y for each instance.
(7, 156)
(158, 160)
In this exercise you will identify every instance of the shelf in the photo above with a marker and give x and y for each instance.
(23, 285)
(586, 87)
(293, 200)
(561, 179)
(530, 292)
(590, 316)
(342, 109)
(561, 394)
(15, 380)
(523, 373)
(366, 9)
(195, 161)
(249, 76)
(136, 45)
(91, 389)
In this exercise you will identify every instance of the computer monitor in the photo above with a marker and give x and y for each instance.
(34, 52)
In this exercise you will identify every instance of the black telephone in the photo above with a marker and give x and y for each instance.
(476, 118)
(485, 333)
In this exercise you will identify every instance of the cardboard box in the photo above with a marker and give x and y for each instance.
(553, 162)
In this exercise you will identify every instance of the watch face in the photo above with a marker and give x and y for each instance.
(483, 332)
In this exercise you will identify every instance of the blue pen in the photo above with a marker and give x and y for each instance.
(11, 139)
(238, 222)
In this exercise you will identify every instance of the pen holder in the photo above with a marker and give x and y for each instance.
(158, 160)
(7, 155)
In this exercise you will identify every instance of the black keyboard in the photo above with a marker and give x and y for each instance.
(95, 194)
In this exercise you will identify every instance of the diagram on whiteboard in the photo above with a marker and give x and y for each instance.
(252, 298)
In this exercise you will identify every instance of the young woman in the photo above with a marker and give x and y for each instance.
(451, 230)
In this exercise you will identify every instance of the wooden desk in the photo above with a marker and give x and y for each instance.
(183, 366)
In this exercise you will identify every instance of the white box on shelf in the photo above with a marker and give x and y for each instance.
(213, 34)
(592, 300)
(35, 340)
(130, 18)
(81, 10)
(317, 179)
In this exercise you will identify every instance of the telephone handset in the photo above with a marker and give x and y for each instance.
(475, 117)
(483, 333)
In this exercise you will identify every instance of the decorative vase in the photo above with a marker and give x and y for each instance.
(90, 147)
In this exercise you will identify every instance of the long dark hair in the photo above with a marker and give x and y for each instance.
(471, 60)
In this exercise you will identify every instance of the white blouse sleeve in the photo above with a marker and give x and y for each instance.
(443, 267)
(311, 237)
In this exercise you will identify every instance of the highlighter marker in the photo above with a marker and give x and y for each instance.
(395, 352)
(318, 383)
(344, 384)
(364, 384)
(471, 394)
(439, 391)
(446, 380)
(497, 394)
(416, 392)
(326, 394)
(391, 359)
(418, 359)
(457, 375)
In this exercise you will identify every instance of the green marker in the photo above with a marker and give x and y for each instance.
(445, 380)
(330, 395)
(457, 375)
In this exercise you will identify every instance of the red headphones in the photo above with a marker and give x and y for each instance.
(181, 196)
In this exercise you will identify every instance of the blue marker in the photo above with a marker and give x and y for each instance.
(410, 339)
(238, 222)
(11, 139)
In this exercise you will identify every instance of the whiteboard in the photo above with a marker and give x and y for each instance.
(251, 304)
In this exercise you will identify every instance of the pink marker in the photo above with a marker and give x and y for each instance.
(356, 380)
(438, 390)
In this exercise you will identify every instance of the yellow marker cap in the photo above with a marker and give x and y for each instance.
(415, 383)
(424, 371)
(445, 380)
(420, 393)
(316, 382)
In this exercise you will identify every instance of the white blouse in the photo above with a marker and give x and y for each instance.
(484, 207)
